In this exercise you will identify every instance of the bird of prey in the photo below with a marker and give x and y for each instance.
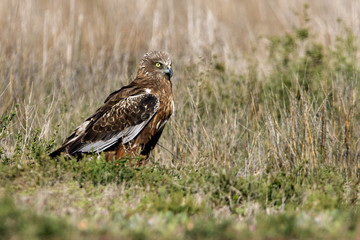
(132, 119)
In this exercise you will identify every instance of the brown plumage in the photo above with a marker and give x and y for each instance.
(131, 120)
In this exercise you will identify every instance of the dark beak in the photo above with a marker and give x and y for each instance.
(168, 72)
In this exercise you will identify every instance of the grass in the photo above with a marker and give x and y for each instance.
(264, 143)
(158, 202)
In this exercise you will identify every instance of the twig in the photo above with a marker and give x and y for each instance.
(173, 154)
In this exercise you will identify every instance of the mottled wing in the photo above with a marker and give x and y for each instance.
(122, 122)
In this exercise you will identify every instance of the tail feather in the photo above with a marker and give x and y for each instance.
(56, 152)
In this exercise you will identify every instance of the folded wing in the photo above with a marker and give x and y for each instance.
(122, 121)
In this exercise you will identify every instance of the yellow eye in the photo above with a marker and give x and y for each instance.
(158, 64)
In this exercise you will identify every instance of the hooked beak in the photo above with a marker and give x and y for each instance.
(168, 71)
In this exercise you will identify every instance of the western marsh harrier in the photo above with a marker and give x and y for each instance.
(131, 120)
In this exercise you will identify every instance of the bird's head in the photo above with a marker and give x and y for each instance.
(156, 64)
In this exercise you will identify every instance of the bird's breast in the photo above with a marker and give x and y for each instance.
(164, 92)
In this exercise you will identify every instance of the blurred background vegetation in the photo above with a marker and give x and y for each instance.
(264, 142)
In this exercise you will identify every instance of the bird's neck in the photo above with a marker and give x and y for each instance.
(152, 81)
(160, 87)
